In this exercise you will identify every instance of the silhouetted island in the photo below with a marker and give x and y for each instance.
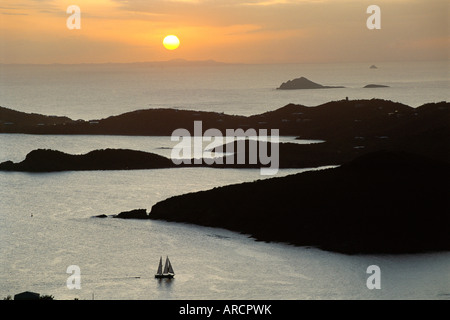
(383, 202)
(132, 214)
(358, 127)
(303, 83)
(44, 160)
(352, 118)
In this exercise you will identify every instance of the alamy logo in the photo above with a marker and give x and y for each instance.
(74, 21)
(374, 281)
(74, 280)
(374, 21)
(190, 147)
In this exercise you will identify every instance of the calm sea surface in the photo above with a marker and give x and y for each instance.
(46, 222)
(98, 91)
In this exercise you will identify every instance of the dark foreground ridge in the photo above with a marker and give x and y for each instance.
(384, 202)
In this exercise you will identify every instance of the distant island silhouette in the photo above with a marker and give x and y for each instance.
(376, 86)
(292, 120)
(44, 160)
(303, 83)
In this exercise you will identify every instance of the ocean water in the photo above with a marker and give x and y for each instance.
(46, 219)
(98, 91)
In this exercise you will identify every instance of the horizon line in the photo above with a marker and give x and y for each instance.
(210, 62)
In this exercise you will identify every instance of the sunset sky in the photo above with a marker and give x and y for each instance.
(249, 31)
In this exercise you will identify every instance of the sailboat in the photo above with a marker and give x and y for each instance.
(167, 272)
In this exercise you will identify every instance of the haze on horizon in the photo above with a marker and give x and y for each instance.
(249, 31)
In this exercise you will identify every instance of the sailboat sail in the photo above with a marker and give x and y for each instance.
(159, 272)
(168, 267)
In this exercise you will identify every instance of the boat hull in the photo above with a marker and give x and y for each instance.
(164, 276)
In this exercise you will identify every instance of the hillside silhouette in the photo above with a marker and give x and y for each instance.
(348, 128)
(383, 202)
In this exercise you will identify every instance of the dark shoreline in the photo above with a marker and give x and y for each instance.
(380, 203)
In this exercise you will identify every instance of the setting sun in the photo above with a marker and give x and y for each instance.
(171, 42)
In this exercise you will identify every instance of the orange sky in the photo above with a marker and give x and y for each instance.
(251, 31)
